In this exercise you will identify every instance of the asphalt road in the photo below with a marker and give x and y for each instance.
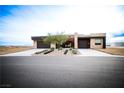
(62, 72)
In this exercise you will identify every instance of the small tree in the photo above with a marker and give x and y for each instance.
(61, 38)
(57, 39)
(49, 39)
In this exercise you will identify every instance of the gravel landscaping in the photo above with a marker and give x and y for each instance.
(56, 52)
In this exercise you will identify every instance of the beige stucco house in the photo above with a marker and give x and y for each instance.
(95, 40)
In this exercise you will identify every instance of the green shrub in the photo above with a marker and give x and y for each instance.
(52, 48)
(74, 51)
(70, 48)
(60, 48)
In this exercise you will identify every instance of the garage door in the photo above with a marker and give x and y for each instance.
(41, 44)
(83, 43)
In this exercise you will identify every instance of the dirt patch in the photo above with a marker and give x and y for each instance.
(113, 51)
(13, 49)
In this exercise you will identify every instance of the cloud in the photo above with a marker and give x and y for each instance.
(27, 21)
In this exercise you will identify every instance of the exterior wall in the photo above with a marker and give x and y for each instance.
(34, 44)
(76, 40)
(92, 43)
(52, 45)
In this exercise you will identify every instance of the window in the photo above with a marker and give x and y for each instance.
(98, 41)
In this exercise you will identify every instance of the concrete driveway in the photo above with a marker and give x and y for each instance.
(91, 52)
(24, 53)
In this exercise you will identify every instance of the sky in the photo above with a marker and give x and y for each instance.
(19, 23)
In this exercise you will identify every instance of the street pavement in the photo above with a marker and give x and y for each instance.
(61, 72)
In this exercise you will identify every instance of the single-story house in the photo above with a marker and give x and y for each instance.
(96, 40)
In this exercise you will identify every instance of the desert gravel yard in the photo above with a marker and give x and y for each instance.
(57, 52)
(81, 52)
(113, 51)
(13, 49)
(24, 53)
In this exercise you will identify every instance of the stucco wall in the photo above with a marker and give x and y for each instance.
(52, 45)
(76, 40)
(92, 43)
(34, 44)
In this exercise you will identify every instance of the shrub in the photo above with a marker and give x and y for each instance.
(74, 51)
(52, 48)
(70, 49)
(60, 48)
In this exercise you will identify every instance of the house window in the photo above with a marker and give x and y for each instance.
(98, 41)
